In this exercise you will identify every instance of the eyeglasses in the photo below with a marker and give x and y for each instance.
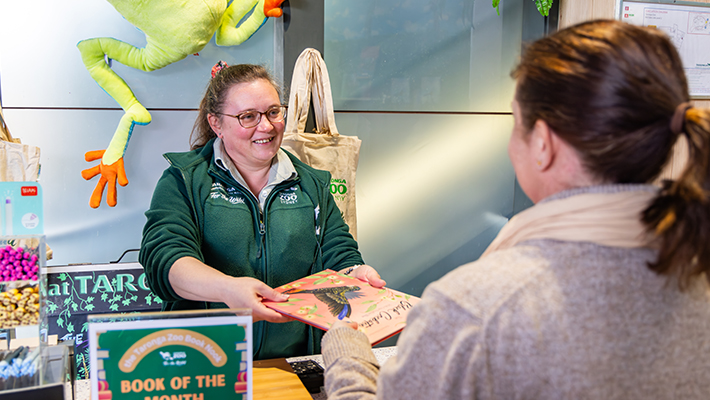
(252, 118)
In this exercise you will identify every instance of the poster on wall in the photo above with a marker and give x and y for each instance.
(74, 292)
(688, 25)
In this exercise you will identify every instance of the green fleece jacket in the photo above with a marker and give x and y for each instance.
(198, 210)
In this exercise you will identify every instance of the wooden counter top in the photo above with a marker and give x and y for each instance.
(274, 379)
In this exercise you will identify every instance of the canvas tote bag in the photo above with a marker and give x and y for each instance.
(18, 162)
(325, 148)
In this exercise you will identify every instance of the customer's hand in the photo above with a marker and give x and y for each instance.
(249, 293)
(368, 274)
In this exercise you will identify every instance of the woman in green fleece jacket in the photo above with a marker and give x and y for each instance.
(238, 216)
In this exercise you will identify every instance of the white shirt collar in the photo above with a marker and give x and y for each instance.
(281, 170)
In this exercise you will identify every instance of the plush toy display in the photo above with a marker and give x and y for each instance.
(174, 29)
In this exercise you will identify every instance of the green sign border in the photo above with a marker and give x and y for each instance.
(193, 358)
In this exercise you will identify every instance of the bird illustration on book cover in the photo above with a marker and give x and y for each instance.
(336, 298)
(379, 312)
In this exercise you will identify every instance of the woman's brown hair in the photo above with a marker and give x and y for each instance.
(610, 90)
(216, 95)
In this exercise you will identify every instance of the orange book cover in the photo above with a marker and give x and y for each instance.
(323, 298)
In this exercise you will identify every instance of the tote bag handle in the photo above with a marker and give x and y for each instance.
(310, 77)
(5, 130)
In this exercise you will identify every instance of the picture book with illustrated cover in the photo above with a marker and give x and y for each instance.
(328, 296)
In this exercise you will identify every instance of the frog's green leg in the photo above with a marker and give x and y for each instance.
(93, 52)
(110, 166)
(228, 34)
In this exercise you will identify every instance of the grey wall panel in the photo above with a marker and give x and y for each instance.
(433, 189)
(422, 55)
(76, 232)
(428, 185)
(40, 65)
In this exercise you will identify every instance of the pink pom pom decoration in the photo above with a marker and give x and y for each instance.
(17, 264)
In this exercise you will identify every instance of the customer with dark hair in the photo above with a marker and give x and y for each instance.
(598, 291)
(237, 215)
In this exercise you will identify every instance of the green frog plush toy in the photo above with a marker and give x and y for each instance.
(174, 29)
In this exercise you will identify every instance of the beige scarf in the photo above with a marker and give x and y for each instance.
(608, 219)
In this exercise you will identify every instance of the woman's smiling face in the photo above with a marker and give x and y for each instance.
(249, 147)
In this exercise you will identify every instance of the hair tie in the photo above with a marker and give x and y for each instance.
(218, 67)
(678, 120)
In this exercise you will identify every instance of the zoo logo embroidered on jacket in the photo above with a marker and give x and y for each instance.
(289, 196)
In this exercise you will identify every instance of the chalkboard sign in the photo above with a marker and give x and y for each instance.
(74, 292)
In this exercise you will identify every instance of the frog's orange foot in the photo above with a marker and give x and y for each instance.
(110, 174)
(272, 8)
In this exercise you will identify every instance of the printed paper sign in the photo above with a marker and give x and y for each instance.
(21, 208)
(205, 358)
